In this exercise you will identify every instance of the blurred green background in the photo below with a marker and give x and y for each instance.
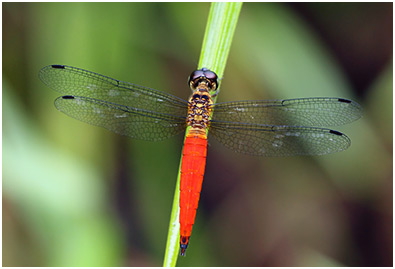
(79, 195)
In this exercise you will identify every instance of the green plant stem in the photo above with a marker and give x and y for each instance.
(221, 24)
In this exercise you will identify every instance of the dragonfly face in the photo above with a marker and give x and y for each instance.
(276, 128)
(203, 80)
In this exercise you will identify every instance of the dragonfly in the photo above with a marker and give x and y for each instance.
(276, 128)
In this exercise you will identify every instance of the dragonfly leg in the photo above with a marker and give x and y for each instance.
(215, 93)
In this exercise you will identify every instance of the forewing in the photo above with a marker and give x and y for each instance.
(297, 112)
(129, 121)
(264, 140)
(78, 82)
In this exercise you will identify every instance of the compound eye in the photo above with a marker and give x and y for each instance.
(196, 74)
(210, 75)
(212, 78)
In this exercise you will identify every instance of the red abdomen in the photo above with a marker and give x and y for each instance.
(192, 171)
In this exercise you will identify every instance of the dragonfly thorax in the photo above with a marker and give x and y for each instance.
(199, 109)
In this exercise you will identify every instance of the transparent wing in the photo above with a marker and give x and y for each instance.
(78, 82)
(122, 107)
(265, 140)
(296, 112)
(129, 121)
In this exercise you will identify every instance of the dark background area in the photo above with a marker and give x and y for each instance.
(79, 195)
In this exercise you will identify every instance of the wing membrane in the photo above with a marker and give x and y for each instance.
(274, 141)
(129, 121)
(295, 112)
(78, 82)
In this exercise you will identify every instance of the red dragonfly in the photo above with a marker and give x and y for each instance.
(262, 127)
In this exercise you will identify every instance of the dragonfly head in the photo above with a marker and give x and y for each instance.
(203, 80)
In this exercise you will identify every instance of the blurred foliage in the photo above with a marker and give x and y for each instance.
(78, 195)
